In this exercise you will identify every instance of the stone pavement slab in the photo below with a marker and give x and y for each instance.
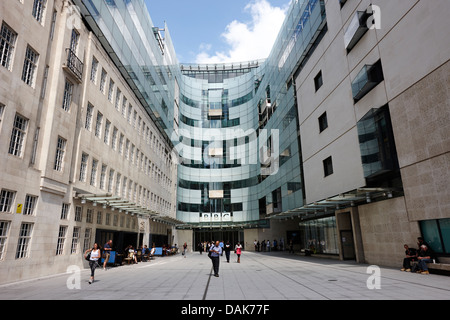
(259, 277)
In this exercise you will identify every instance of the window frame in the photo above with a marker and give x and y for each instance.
(7, 46)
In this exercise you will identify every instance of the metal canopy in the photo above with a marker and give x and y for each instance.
(341, 201)
(124, 205)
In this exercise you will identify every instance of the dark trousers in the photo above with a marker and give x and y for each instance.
(407, 262)
(93, 264)
(215, 263)
(227, 255)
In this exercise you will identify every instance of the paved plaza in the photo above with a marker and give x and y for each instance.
(259, 277)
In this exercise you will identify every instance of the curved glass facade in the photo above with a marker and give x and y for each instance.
(233, 126)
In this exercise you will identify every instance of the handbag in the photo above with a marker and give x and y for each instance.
(88, 256)
(209, 254)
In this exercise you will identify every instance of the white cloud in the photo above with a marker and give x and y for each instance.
(248, 41)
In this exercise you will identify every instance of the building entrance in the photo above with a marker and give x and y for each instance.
(203, 235)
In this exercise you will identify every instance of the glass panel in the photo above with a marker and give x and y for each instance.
(430, 234)
(320, 235)
(445, 232)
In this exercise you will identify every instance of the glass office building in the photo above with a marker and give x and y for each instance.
(234, 126)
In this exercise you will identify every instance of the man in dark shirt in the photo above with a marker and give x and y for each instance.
(410, 255)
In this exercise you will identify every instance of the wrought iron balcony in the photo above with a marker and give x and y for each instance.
(74, 65)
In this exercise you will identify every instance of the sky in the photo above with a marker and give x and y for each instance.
(220, 31)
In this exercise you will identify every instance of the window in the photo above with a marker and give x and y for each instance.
(29, 66)
(117, 191)
(127, 149)
(360, 23)
(39, 9)
(78, 213)
(30, 204)
(89, 114)
(121, 144)
(98, 125)
(99, 217)
(2, 110)
(107, 129)
(111, 90)
(4, 230)
(293, 187)
(130, 110)
(323, 122)
(117, 102)
(83, 167)
(87, 239)
(59, 158)
(93, 180)
(65, 211)
(328, 166)
(367, 79)
(114, 138)
(18, 136)
(318, 81)
(437, 234)
(110, 180)
(124, 106)
(89, 216)
(67, 98)
(6, 200)
(74, 41)
(75, 240)
(7, 43)
(377, 145)
(94, 67)
(103, 81)
(61, 239)
(24, 240)
(103, 177)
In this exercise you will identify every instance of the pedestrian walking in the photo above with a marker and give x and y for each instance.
(227, 249)
(200, 247)
(216, 251)
(93, 255)
(107, 248)
(238, 251)
(221, 247)
(184, 249)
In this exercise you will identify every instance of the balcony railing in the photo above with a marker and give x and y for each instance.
(74, 64)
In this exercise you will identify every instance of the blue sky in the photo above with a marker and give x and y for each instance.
(213, 31)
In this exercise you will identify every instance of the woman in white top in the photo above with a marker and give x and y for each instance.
(93, 260)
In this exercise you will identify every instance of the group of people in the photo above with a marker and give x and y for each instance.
(216, 250)
(267, 246)
(96, 253)
(422, 255)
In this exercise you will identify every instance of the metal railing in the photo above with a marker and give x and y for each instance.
(74, 64)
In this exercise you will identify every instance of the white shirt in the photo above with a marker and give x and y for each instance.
(95, 254)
